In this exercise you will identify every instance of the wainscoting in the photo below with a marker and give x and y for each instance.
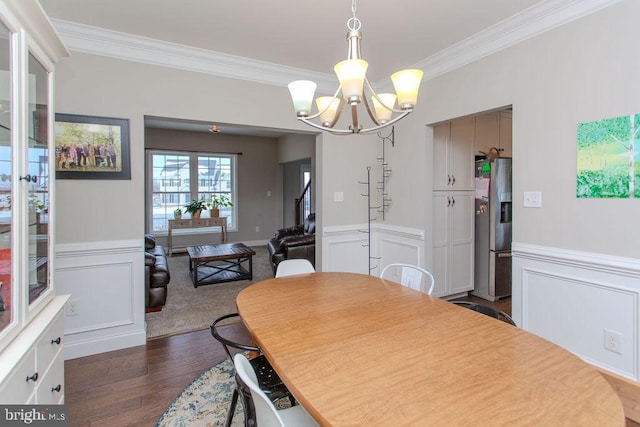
(106, 284)
(346, 248)
(576, 299)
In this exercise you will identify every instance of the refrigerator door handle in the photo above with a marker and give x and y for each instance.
(504, 254)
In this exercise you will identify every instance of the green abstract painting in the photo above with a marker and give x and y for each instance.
(609, 158)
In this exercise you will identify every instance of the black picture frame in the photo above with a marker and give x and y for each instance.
(100, 147)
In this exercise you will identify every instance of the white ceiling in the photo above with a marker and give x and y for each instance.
(303, 34)
(306, 35)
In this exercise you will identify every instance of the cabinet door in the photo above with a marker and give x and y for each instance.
(8, 294)
(441, 202)
(461, 159)
(441, 179)
(38, 182)
(487, 135)
(461, 226)
(505, 134)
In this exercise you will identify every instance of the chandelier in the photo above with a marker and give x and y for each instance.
(355, 89)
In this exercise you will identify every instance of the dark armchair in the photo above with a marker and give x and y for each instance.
(156, 274)
(294, 242)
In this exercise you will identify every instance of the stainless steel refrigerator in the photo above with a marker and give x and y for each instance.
(493, 229)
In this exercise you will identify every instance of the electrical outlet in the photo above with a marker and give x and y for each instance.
(257, 228)
(73, 308)
(613, 341)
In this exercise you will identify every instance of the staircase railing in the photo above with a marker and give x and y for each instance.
(303, 204)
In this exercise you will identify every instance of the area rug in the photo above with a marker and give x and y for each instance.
(205, 402)
(191, 309)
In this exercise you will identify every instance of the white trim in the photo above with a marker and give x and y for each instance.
(587, 293)
(536, 20)
(114, 44)
(107, 276)
(586, 260)
(529, 23)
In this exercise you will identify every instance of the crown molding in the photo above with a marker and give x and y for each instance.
(32, 17)
(129, 47)
(531, 22)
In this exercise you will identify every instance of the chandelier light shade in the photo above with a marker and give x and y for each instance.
(355, 89)
(302, 95)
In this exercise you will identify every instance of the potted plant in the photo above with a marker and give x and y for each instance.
(177, 214)
(195, 207)
(218, 201)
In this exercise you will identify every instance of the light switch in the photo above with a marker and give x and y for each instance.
(338, 197)
(532, 199)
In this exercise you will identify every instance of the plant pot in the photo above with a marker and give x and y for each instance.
(196, 214)
(215, 213)
(177, 216)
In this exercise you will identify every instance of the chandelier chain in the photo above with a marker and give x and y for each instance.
(353, 24)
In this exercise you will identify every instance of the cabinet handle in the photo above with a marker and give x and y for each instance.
(448, 179)
(29, 178)
(453, 201)
(453, 180)
(56, 388)
(56, 341)
(33, 377)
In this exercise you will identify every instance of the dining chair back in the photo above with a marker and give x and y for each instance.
(269, 380)
(487, 310)
(289, 267)
(410, 276)
(266, 413)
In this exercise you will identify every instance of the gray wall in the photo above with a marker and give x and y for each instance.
(581, 71)
(257, 175)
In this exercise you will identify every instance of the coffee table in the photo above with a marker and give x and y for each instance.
(210, 264)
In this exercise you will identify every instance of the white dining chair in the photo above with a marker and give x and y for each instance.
(410, 276)
(289, 267)
(266, 413)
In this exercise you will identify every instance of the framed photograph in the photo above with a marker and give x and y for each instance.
(89, 147)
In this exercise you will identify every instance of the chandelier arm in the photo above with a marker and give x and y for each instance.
(390, 122)
(373, 92)
(371, 115)
(335, 95)
(338, 111)
(326, 129)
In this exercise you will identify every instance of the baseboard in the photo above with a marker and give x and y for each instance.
(103, 344)
(629, 393)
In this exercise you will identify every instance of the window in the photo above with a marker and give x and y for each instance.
(175, 178)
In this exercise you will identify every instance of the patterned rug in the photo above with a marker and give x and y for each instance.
(205, 402)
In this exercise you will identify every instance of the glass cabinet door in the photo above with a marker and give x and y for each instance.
(7, 287)
(38, 179)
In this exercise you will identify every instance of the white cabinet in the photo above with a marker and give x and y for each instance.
(493, 130)
(38, 377)
(29, 361)
(453, 247)
(453, 155)
(505, 133)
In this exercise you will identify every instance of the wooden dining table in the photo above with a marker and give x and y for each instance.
(357, 350)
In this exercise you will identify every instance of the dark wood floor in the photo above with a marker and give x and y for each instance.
(133, 387)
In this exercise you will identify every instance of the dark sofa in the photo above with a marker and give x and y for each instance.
(294, 242)
(156, 272)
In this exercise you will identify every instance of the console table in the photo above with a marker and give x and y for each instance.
(175, 224)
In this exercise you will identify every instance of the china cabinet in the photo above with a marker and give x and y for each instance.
(31, 318)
